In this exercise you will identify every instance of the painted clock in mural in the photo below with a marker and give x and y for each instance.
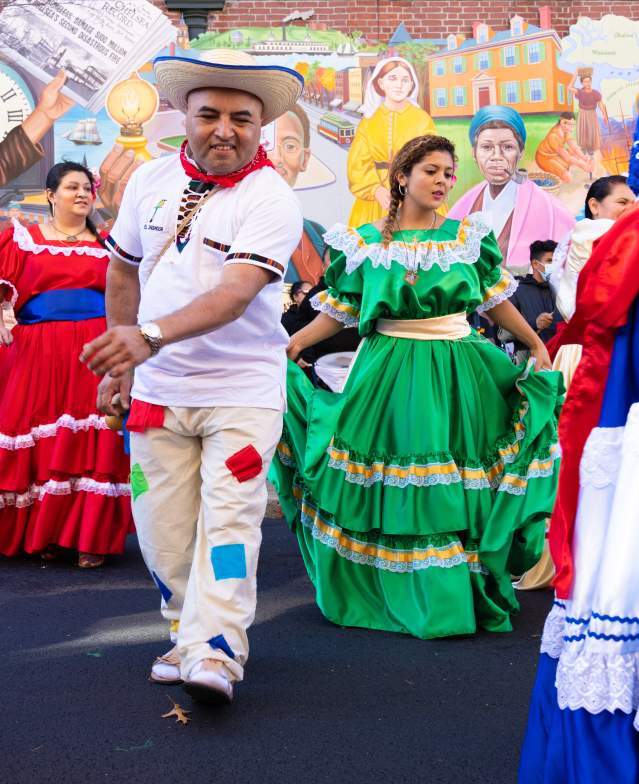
(18, 96)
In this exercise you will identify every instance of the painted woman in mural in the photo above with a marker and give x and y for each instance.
(588, 100)
(515, 208)
(391, 118)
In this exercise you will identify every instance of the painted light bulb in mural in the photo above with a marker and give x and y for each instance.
(132, 103)
(15, 103)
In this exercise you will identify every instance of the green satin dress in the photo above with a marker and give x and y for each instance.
(417, 492)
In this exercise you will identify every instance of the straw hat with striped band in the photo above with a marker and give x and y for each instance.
(277, 87)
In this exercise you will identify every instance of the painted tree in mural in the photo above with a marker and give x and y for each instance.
(326, 79)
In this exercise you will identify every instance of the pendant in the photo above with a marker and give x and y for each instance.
(411, 277)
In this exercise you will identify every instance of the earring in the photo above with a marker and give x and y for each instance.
(402, 190)
(52, 209)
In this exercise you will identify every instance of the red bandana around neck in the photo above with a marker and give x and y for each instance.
(224, 180)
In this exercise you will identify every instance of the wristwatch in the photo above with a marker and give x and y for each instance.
(153, 335)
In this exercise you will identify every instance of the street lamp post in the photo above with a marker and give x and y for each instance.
(195, 13)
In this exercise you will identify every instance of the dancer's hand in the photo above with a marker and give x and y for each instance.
(116, 351)
(293, 350)
(541, 356)
(108, 388)
(6, 338)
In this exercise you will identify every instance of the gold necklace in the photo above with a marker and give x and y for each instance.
(73, 238)
(412, 274)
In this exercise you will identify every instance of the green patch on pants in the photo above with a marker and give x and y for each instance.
(139, 483)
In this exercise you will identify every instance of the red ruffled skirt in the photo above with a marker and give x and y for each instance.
(64, 476)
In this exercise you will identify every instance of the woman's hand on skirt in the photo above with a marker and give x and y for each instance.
(6, 338)
(541, 356)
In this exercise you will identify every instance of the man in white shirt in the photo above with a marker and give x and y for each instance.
(200, 249)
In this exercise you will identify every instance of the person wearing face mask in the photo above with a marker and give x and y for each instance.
(415, 491)
(63, 473)
(513, 207)
(534, 299)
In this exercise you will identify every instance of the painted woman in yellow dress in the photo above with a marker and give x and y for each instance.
(391, 118)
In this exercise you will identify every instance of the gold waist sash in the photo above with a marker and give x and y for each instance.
(451, 327)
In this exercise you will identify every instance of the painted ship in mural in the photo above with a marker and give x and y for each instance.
(84, 132)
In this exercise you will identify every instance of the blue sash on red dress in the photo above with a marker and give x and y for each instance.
(62, 305)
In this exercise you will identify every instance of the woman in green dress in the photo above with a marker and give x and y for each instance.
(420, 489)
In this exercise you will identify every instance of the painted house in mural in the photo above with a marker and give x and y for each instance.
(515, 67)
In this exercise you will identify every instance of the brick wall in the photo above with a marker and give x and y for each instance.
(377, 19)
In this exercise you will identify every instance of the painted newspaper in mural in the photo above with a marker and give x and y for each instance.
(534, 119)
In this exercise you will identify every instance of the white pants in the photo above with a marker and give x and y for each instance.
(199, 523)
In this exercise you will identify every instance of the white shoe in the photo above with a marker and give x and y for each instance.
(166, 669)
(209, 685)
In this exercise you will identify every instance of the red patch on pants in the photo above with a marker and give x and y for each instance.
(143, 415)
(245, 464)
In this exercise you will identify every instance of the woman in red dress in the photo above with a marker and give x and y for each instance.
(63, 473)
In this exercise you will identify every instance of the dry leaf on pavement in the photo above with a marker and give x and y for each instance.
(179, 713)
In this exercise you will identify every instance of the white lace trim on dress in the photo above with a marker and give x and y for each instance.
(601, 458)
(507, 293)
(326, 306)
(25, 242)
(14, 295)
(464, 249)
(598, 682)
(28, 440)
(53, 487)
(595, 680)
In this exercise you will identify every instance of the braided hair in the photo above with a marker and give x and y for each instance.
(411, 154)
(55, 176)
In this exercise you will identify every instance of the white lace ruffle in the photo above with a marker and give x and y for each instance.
(598, 682)
(28, 440)
(507, 293)
(14, 295)
(52, 487)
(601, 457)
(411, 255)
(552, 640)
(347, 319)
(25, 242)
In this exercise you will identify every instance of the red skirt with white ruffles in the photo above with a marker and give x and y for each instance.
(64, 476)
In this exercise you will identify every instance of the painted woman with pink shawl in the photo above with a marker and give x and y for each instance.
(518, 211)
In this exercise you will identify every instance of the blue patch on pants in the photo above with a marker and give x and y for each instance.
(166, 592)
(221, 643)
(229, 561)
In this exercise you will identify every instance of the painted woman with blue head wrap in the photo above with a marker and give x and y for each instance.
(518, 211)
(498, 117)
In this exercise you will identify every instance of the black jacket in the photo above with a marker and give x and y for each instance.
(531, 299)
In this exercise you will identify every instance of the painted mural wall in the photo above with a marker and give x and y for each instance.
(565, 107)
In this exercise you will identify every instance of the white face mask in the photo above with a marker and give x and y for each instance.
(545, 273)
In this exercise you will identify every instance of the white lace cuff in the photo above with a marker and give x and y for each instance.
(505, 287)
(340, 311)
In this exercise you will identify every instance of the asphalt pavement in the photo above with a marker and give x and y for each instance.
(319, 703)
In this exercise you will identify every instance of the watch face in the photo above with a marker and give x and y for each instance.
(16, 102)
(152, 330)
